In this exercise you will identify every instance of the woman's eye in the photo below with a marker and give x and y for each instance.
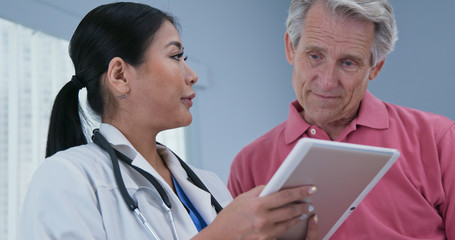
(177, 56)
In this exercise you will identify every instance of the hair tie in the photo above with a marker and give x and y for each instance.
(76, 82)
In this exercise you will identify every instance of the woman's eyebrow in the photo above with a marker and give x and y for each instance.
(174, 43)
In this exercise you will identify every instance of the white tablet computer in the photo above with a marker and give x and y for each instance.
(343, 173)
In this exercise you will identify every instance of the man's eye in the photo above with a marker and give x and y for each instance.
(348, 63)
(314, 56)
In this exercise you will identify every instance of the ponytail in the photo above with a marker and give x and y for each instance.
(65, 126)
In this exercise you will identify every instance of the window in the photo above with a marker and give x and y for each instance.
(33, 68)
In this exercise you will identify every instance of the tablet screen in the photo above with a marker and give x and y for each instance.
(342, 172)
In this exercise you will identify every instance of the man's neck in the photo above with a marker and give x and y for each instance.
(331, 128)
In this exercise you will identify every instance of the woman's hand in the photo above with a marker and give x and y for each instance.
(253, 217)
(312, 229)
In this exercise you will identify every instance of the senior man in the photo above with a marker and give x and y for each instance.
(336, 47)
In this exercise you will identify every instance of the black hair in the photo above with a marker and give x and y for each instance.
(122, 29)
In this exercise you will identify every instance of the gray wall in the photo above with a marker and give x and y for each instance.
(419, 73)
(236, 47)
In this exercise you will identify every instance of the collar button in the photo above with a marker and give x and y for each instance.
(313, 131)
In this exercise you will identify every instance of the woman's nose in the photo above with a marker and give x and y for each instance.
(190, 76)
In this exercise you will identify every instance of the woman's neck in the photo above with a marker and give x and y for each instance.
(145, 143)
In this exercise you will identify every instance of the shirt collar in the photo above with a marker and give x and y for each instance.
(118, 140)
(372, 114)
(295, 126)
(121, 143)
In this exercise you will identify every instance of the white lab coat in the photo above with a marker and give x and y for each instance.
(73, 195)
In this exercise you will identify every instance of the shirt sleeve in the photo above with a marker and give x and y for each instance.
(447, 160)
(60, 204)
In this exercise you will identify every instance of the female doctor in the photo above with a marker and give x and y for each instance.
(130, 58)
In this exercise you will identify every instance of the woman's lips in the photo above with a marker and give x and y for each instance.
(188, 101)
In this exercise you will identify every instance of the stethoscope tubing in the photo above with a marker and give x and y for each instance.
(115, 155)
(146, 223)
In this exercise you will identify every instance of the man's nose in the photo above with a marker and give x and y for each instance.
(328, 76)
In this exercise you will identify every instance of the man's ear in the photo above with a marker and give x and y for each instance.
(118, 74)
(374, 72)
(290, 52)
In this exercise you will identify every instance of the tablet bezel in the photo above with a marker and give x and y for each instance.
(363, 166)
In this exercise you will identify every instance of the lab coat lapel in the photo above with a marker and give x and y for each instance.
(198, 197)
(183, 222)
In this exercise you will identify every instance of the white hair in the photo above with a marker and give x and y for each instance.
(379, 12)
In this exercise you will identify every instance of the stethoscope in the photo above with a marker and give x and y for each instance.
(99, 139)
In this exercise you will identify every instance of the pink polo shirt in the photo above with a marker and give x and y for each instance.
(414, 200)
